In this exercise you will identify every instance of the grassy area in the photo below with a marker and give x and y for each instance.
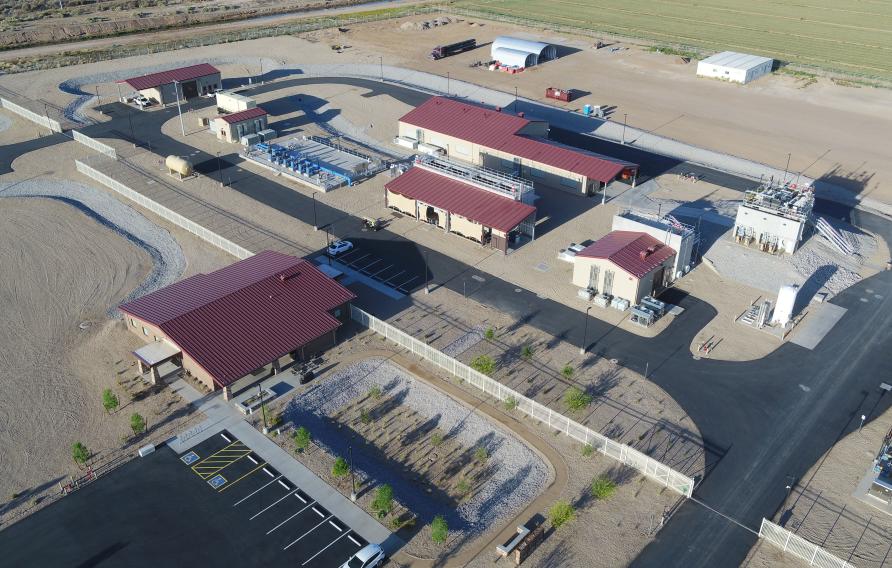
(843, 36)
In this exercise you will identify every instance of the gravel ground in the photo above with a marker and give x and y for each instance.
(168, 260)
(5, 123)
(518, 473)
(465, 342)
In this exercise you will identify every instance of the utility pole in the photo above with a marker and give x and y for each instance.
(584, 333)
(315, 224)
(130, 120)
(625, 117)
(381, 62)
(427, 279)
(262, 408)
(219, 169)
(786, 168)
(261, 70)
(176, 88)
(352, 477)
(98, 98)
(327, 244)
(863, 418)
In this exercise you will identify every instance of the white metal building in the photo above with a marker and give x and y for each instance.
(774, 218)
(668, 230)
(518, 52)
(735, 67)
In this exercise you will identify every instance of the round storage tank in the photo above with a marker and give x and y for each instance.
(179, 165)
(786, 301)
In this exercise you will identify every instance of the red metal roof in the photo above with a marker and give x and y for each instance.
(636, 253)
(478, 205)
(165, 77)
(243, 115)
(499, 131)
(241, 317)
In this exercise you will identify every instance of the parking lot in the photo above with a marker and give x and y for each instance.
(285, 518)
(217, 504)
(382, 261)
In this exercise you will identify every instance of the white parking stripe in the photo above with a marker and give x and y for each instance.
(253, 492)
(389, 266)
(299, 497)
(268, 473)
(288, 519)
(250, 457)
(225, 438)
(269, 507)
(306, 533)
(394, 276)
(350, 263)
(323, 550)
(317, 512)
(356, 542)
(332, 523)
(283, 484)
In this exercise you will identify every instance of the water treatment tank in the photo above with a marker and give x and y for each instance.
(786, 301)
(179, 165)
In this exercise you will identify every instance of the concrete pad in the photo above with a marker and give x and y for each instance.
(819, 321)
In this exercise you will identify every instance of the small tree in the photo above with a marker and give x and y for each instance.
(588, 451)
(439, 530)
(80, 453)
(137, 423)
(603, 488)
(436, 439)
(340, 468)
(484, 364)
(301, 438)
(561, 513)
(382, 504)
(489, 334)
(510, 403)
(576, 399)
(480, 454)
(365, 416)
(567, 371)
(109, 400)
(526, 352)
(463, 487)
(375, 392)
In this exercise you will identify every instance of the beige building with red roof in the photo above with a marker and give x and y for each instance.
(231, 127)
(625, 264)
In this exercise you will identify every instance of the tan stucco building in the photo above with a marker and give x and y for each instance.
(185, 82)
(231, 127)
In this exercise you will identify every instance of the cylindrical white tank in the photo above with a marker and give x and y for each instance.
(786, 301)
(179, 165)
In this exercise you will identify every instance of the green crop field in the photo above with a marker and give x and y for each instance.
(846, 36)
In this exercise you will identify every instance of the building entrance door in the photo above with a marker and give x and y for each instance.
(190, 89)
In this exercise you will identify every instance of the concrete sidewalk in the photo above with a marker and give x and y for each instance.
(221, 415)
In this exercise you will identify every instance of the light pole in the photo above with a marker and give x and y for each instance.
(352, 477)
(863, 418)
(787, 168)
(584, 333)
(130, 120)
(262, 408)
(219, 169)
(327, 244)
(315, 224)
(427, 279)
(98, 100)
(381, 62)
(176, 89)
(625, 117)
(448, 84)
(515, 99)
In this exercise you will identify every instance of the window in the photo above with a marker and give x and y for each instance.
(132, 323)
(145, 331)
(569, 182)
(507, 163)
(337, 313)
(537, 173)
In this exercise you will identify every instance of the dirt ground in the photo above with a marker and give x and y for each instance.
(822, 509)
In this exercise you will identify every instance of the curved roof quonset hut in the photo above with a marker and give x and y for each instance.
(521, 52)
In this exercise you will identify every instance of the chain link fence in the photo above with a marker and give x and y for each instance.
(799, 547)
(631, 457)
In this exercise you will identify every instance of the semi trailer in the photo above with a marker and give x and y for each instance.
(442, 51)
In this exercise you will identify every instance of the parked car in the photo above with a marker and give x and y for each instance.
(339, 247)
(368, 557)
(142, 101)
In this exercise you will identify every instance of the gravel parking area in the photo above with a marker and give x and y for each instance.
(168, 260)
(518, 474)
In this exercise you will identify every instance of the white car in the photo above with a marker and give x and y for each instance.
(368, 557)
(338, 247)
(142, 101)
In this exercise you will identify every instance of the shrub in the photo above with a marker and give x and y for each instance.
(439, 529)
(463, 487)
(273, 419)
(489, 334)
(80, 453)
(375, 392)
(480, 454)
(397, 523)
(383, 501)
(567, 371)
(436, 439)
(484, 364)
(109, 400)
(576, 399)
(340, 468)
(561, 513)
(137, 423)
(526, 352)
(588, 451)
(365, 416)
(301, 439)
(510, 403)
(603, 488)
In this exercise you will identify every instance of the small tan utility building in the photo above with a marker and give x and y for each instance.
(231, 127)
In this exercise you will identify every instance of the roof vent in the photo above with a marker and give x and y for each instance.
(520, 114)
(285, 277)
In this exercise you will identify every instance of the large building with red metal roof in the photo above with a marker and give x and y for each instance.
(193, 81)
(508, 143)
(464, 201)
(242, 321)
(625, 264)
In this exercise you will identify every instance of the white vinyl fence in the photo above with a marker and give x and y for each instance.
(95, 144)
(175, 218)
(39, 119)
(799, 547)
(650, 467)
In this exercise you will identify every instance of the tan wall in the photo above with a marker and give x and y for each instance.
(466, 228)
(624, 284)
(229, 132)
(401, 203)
(155, 334)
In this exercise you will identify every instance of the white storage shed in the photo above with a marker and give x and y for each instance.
(735, 67)
(519, 52)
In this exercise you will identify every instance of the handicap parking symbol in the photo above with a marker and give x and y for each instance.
(217, 481)
(190, 458)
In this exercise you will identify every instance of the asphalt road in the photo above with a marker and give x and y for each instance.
(762, 421)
